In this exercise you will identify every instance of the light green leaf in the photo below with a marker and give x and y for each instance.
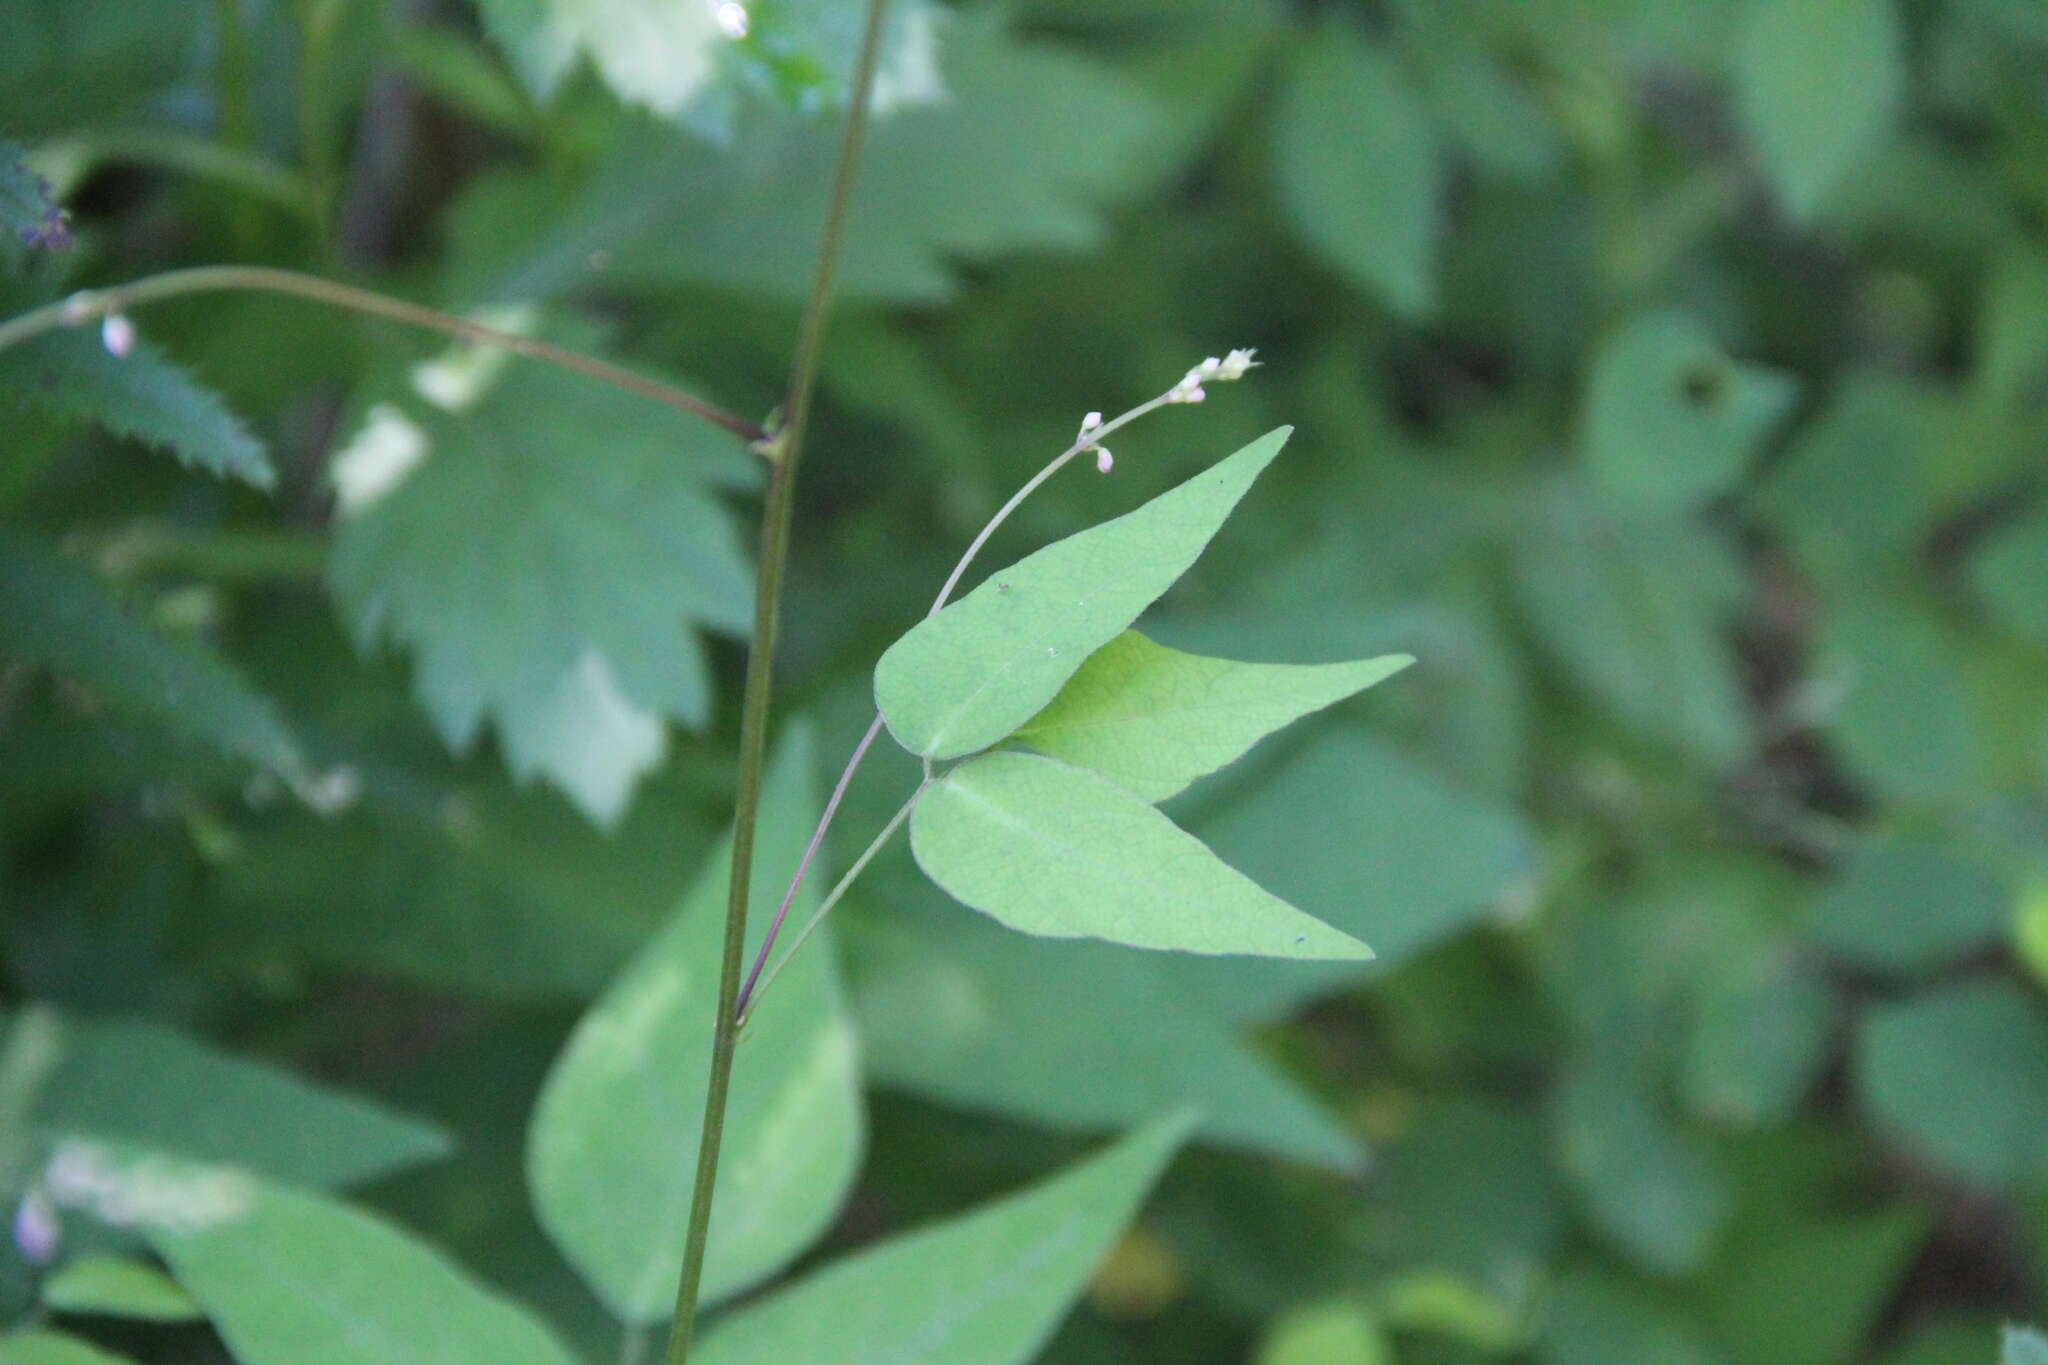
(1905, 905)
(135, 1082)
(117, 1286)
(612, 1152)
(1818, 85)
(1962, 1075)
(1030, 146)
(53, 1348)
(141, 396)
(1359, 172)
(1326, 1334)
(1154, 719)
(563, 612)
(1056, 851)
(2009, 571)
(1670, 420)
(984, 1289)
(54, 612)
(953, 1008)
(965, 678)
(303, 1280)
(2023, 1346)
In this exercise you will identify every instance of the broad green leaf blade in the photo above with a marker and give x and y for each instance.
(1818, 86)
(1669, 419)
(53, 1348)
(1906, 905)
(2023, 1346)
(564, 611)
(135, 1083)
(984, 1289)
(1339, 1333)
(612, 1152)
(54, 612)
(955, 1009)
(1054, 850)
(1153, 719)
(965, 678)
(1358, 168)
(1596, 1317)
(303, 1280)
(2008, 572)
(120, 1287)
(141, 395)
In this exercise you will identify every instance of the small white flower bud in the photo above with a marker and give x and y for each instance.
(1104, 461)
(117, 334)
(1235, 364)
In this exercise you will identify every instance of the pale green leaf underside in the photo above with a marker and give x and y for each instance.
(984, 1289)
(965, 678)
(120, 1287)
(303, 1280)
(53, 1348)
(1818, 85)
(54, 612)
(1153, 719)
(2024, 1346)
(142, 396)
(612, 1151)
(1054, 850)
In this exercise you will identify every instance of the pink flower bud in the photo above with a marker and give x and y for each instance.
(36, 1230)
(1104, 461)
(118, 335)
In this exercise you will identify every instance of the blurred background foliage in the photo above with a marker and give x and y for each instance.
(1669, 379)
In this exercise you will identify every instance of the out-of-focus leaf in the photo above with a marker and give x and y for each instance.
(611, 1156)
(36, 1347)
(1031, 143)
(1635, 610)
(133, 50)
(1057, 851)
(2023, 1346)
(963, 679)
(1758, 1034)
(57, 614)
(955, 1009)
(983, 1289)
(1326, 1334)
(1154, 719)
(589, 547)
(1669, 419)
(1364, 839)
(140, 395)
(302, 1280)
(1961, 1076)
(1807, 1291)
(1651, 1187)
(120, 1287)
(27, 212)
(138, 1083)
(2009, 572)
(1905, 905)
(1596, 1317)
(1469, 1188)
(1904, 720)
(1358, 169)
(1818, 85)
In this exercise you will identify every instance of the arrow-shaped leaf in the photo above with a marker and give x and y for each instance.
(965, 678)
(1153, 719)
(1054, 850)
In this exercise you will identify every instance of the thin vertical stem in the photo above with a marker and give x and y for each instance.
(784, 452)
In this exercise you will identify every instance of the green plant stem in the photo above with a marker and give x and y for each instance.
(93, 304)
(784, 451)
(860, 752)
(839, 889)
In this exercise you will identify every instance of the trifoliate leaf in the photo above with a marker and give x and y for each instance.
(1669, 419)
(984, 1289)
(140, 395)
(1153, 719)
(297, 1279)
(1358, 169)
(612, 1153)
(963, 679)
(55, 613)
(1057, 851)
(1818, 85)
(545, 549)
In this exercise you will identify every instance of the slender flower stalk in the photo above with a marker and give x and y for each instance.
(1190, 389)
(110, 306)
